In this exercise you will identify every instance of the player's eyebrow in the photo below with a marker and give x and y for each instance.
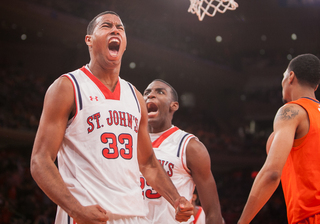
(158, 89)
(111, 24)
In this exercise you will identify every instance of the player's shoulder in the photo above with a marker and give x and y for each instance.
(195, 146)
(60, 82)
(197, 154)
(195, 143)
(60, 88)
(181, 135)
(292, 107)
(290, 111)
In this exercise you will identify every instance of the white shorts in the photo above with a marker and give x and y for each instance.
(63, 218)
(116, 219)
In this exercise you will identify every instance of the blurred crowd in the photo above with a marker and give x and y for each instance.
(21, 96)
(21, 200)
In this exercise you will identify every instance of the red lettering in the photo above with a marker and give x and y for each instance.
(136, 126)
(161, 162)
(126, 152)
(115, 117)
(152, 195)
(89, 119)
(123, 119)
(170, 171)
(107, 153)
(110, 119)
(129, 120)
(142, 183)
(96, 117)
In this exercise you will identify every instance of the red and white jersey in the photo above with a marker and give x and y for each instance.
(98, 156)
(170, 150)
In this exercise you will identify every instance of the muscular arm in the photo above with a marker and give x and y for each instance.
(58, 105)
(198, 161)
(288, 119)
(154, 173)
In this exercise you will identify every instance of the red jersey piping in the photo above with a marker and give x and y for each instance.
(115, 95)
(156, 143)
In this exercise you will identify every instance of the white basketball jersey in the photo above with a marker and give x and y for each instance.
(200, 217)
(98, 156)
(170, 150)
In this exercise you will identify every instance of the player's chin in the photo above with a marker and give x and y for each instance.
(152, 116)
(152, 121)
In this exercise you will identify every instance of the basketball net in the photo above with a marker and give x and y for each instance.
(210, 7)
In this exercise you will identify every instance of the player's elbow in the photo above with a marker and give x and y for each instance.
(273, 176)
(35, 166)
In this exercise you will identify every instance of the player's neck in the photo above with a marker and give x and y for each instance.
(108, 76)
(158, 128)
(309, 93)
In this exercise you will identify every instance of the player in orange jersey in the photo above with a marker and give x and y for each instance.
(293, 148)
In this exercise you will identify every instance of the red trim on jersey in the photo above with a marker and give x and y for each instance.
(156, 143)
(183, 150)
(197, 215)
(115, 95)
(75, 94)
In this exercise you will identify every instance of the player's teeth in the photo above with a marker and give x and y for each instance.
(114, 40)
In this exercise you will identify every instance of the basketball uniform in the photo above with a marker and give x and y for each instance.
(200, 217)
(98, 156)
(300, 175)
(170, 150)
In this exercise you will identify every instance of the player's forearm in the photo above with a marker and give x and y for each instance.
(48, 178)
(262, 189)
(160, 181)
(214, 219)
(213, 214)
(212, 209)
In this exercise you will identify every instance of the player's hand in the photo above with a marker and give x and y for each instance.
(184, 209)
(93, 214)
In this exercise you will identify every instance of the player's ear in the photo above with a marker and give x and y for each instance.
(292, 76)
(88, 40)
(174, 106)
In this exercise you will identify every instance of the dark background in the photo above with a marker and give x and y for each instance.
(229, 91)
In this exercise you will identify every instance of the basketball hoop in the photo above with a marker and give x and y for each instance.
(210, 7)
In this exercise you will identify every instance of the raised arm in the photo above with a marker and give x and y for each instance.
(287, 120)
(58, 106)
(198, 161)
(154, 173)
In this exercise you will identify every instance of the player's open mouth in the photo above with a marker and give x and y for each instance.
(152, 109)
(114, 45)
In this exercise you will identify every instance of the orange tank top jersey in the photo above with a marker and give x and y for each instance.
(301, 173)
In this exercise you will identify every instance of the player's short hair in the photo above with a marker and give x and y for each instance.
(306, 67)
(173, 91)
(93, 22)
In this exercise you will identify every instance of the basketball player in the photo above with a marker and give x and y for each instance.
(96, 123)
(182, 155)
(294, 153)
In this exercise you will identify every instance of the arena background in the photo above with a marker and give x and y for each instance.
(229, 90)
